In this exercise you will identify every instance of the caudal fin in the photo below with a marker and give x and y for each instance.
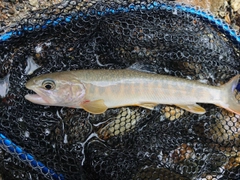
(228, 96)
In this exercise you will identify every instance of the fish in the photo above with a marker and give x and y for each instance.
(95, 91)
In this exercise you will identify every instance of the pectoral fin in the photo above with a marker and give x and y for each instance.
(95, 107)
(148, 105)
(194, 108)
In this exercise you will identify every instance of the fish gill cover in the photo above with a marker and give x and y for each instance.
(40, 142)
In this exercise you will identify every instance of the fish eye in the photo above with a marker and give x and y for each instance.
(49, 84)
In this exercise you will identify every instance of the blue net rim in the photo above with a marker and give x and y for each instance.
(223, 26)
(27, 158)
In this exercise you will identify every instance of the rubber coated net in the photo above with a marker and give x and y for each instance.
(41, 142)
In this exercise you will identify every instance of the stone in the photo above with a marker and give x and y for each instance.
(235, 4)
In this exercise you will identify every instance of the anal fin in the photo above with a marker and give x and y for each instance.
(148, 105)
(95, 107)
(194, 108)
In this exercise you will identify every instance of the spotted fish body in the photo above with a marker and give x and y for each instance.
(97, 90)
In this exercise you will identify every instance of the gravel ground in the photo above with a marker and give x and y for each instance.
(228, 10)
(11, 11)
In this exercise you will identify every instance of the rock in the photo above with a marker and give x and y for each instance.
(11, 11)
(237, 19)
(209, 5)
(235, 4)
(33, 3)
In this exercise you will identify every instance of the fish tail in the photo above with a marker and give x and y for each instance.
(230, 102)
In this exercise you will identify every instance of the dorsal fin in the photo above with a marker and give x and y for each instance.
(143, 67)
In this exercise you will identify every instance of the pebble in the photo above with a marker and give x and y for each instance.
(11, 11)
(33, 3)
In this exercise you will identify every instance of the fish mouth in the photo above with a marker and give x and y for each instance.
(35, 98)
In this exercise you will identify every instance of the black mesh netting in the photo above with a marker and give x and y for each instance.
(123, 143)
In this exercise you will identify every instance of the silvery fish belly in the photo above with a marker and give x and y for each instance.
(97, 90)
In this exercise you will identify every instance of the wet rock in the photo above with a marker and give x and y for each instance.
(33, 3)
(235, 4)
(209, 5)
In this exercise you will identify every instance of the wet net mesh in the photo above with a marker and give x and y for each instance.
(41, 142)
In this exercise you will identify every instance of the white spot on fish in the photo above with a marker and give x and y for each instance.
(31, 66)
(4, 86)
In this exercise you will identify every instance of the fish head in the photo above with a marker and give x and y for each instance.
(56, 89)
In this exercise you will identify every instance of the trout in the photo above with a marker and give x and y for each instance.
(97, 90)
